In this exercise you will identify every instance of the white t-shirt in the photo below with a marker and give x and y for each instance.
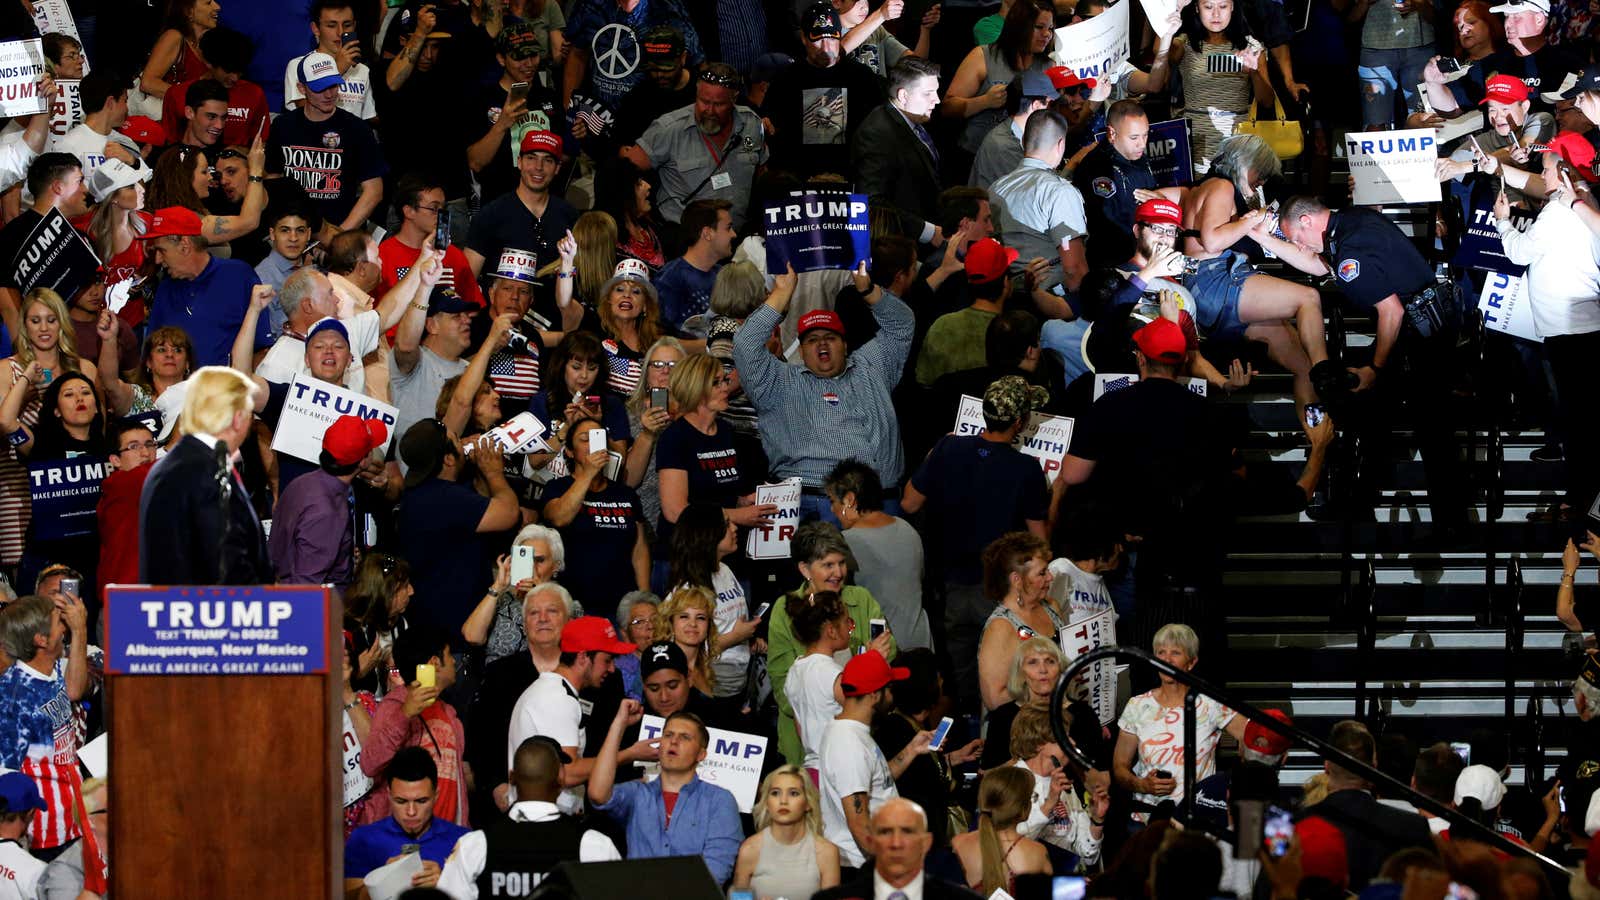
(809, 688)
(287, 357)
(89, 146)
(355, 97)
(851, 763)
(1066, 826)
(732, 665)
(19, 872)
(550, 707)
(416, 393)
(1082, 599)
(1159, 731)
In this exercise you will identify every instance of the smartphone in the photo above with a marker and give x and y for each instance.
(597, 440)
(940, 733)
(518, 91)
(71, 586)
(1161, 773)
(1448, 64)
(593, 400)
(1459, 891)
(1315, 414)
(1462, 750)
(763, 610)
(441, 231)
(521, 563)
(425, 675)
(658, 398)
(1068, 887)
(876, 627)
(1277, 832)
(741, 895)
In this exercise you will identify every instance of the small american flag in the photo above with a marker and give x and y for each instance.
(515, 375)
(596, 118)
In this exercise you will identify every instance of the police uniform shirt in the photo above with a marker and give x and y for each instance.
(1372, 258)
(509, 859)
(1107, 180)
(688, 165)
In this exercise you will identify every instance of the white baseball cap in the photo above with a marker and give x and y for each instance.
(318, 72)
(1511, 7)
(113, 175)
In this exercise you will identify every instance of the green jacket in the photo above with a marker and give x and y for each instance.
(783, 649)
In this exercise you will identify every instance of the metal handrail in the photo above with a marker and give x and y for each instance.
(1516, 625)
(1533, 726)
(1366, 636)
(1198, 686)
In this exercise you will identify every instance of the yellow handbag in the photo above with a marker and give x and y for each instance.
(1282, 134)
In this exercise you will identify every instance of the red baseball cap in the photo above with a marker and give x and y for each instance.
(542, 141)
(172, 221)
(350, 438)
(1322, 851)
(867, 672)
(1159, 211)
(1504, 89)
(590, 633)
(987, 260)
(1161, 340)
(1063, 78)
(1264, 740)
(1576, 151)
(821, 318)
(144, 130)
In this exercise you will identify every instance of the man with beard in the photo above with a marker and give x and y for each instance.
(530, 217)
(856, 779)
(1109, 177)
(709, 150)
(816, 104)
(669, 84)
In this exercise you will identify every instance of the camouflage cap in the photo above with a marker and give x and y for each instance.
(1011, 398)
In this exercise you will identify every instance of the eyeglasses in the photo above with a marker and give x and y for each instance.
(662, 363)
(433, 209)
(639, 621)
(139, 445)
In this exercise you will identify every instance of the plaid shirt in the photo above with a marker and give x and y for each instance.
(809, 424)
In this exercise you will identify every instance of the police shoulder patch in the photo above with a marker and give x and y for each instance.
(1103, 187)
(1349, 270)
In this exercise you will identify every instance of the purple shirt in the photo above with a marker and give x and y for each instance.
(313, 537)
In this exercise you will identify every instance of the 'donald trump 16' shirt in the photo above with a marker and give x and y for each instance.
(329, 159)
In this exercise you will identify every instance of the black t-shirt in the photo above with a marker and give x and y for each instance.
(925, 780)
(507, 222)
(977, 490)
(646, 103)
(253, 247)
(1542, 71)
(711, 462)
(329, 159)
(500, 175)
(437, 524)
(599, 542)
(815, 113)
(12, 239)
(427, 127)
(1373, 258)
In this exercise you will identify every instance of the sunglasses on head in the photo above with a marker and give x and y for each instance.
(230, 153)
(721, 79)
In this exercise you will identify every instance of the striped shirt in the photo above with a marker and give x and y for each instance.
(809, 424)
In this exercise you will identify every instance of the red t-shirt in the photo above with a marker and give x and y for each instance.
(247, 109)
(398, 259)
(670, 799)
(117, 514)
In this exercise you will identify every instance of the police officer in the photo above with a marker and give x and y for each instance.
(1108, 178)
(1379, 269)
(510, 857)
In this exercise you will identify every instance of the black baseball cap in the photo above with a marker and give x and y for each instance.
(820, 21)
(1588, 80)
(662, 655)
(423, 448)
(662, 46)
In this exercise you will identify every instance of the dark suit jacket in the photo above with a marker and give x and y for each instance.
(1372, 832)
(182, 525)
(861, 889)
(893, 166)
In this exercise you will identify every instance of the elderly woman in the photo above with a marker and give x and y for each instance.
(1149, 756)
(887, 550)
(823, 558)
(636, 623)
(1016, 576)
(1036, 667)
(1057, 816)
(498, 621)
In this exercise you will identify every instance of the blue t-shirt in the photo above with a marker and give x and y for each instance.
(437, 524)
(371, 846)
(209, 308)
(711, 461)
(37, 714)
(599, 542)
(979, 490)
(685, 291)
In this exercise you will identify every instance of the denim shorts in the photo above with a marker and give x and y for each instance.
(1216, 286)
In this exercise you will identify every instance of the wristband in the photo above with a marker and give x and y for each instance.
(18, 437)
(566, 274)
(257, 179)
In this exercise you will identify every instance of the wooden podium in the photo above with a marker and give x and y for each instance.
(224, 772)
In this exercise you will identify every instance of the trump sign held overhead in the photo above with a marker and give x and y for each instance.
(1097, 47)
(312, 406)
(216, 631)
(21, 64)
(733, 760)
(55, 256)
(1481, 247)
(1393, 166)
(818, 230)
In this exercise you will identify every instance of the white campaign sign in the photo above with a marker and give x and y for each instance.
(1504, 303)
(522, 433)
(357, 784)
(1096, 47)
(1393, 166)
(772, 541)
(1045, 438)
(733, 761)
(1097, 685)
(55, 16)
(1105, 383)
(21, 64)
(313, 405)
(68, 109)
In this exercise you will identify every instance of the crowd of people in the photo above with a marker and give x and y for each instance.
(526, 240)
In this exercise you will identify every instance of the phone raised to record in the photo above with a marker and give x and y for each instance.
(1314, 414)
(521, 563)
(1277, 832)
(658, 398)
(1068, 887)
(876, 627)
(425, 675)
(71, 586)
(518, 91)
(940, 733)
(441, 230)
(597, 440)
(1462, 750)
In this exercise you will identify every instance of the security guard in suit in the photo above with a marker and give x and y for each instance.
(1109, 177)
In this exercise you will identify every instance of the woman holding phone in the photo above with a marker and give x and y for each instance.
(500, 620)
(649, 413)
(576, 386)
(601, 520)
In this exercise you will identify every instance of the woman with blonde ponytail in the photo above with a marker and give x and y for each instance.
(993, 856)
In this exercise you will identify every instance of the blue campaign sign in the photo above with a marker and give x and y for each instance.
(1480, 245)
(216, 630)
(818, 230)
(65, 492)
(1167, 152)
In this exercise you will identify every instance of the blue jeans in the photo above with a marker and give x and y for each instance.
(1382, 72)
(1065, 340)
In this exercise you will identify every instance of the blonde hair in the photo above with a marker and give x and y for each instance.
(693, 597)
(1003, 799)
(635, 404)
(66, 342)
(596, 235)
(692, 381)
(1179, 635)
(813, 818)
(1017, 682)
(216, 394)
(1030, 730)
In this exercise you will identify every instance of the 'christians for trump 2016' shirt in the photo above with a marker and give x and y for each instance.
(600, 541)
(329, 159)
